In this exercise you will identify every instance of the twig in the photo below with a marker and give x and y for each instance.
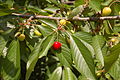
(62, 1)
(97, 18)
(74, 18)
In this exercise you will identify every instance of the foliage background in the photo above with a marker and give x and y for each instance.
(87, 52)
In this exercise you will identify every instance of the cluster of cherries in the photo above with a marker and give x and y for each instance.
(57, 45)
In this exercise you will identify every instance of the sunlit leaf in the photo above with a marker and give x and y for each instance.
(68, 74)
(98, 43)
(46, 45)
(86, 39)
(33, 59)
(39, 51)
(10, 3)
(96, 5)
(48, 22)
(11, 63)
(112, 57)
(45, 30)
(84, 36)
(77, 10)
(51, 9)
(2, 44)
(79, 2)
(82, 58)
(115, 70)
(56, 75)
(37, 10)
(65, 54)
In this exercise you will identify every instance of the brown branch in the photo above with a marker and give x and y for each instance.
(97, 18)
(74, 18)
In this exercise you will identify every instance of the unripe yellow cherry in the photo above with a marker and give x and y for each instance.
(68, 13)
(72, 31)
(113, 39)
(106, 11)
(119, 12)
(37, 32)
(98, 74)
(63, 22)
(50, 15)
(21, 37)
(118, 35)
(43, 24)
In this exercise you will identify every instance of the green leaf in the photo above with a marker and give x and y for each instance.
(84, 36)
(86, 39)
(116, 8)
(81, 77)
(106, 3)
(75, 11)
(106, 26)
(46, 45)
(56, 75)
(96, 5)
(51, 9)
(82, 58)
(115, 70)
(11, 63)
(39, 51)
(33, 59)
(48, 22)
(4, 19)
(65, 54)
(79, 2)
(54, 1)
(10, 3)
(45, 30)
(2, 44)
(4, 12)
(37, 10)
(112, 57)
(24, 51)
(68, 74)
(98, 42)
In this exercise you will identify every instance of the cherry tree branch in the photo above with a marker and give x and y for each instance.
(74, 18)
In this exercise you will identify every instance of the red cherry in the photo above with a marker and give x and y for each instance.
(56, 45)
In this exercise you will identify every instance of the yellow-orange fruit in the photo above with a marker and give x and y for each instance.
(37, 33)
(21, 37)
(63, 22)
(106, 11)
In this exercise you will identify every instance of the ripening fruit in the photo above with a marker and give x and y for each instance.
(72, 31)
(63, 22)
(98, 74)
(119, 12)
(68, 13)
(113, 39)
(118, 35)
(43, 24)
(56, 45)
(107, 76)
(106, 11)
(50, 15)
(37, 32)
(21, 37)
